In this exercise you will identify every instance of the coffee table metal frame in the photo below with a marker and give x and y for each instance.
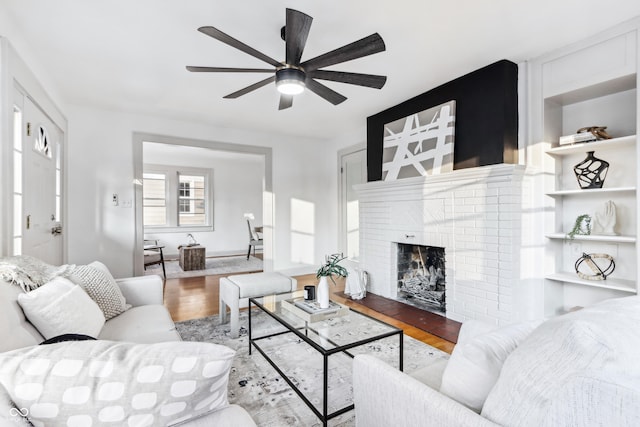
(302, 333)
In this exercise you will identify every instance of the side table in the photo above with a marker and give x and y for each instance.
(192, 258)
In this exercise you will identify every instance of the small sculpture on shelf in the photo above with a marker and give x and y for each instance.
(581, 227)
(598, 131)
(591, 172)
(605, 220)
(599, 270)
(585, 135)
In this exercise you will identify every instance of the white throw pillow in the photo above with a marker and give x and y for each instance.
(98, 282)
(116, 383)
(60, 307)
(579, 369)
(476, 362)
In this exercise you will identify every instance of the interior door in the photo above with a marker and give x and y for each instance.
(353, 171)
(41, 189)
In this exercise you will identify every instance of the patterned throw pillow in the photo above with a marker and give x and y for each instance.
(101, 287)
(110, 383)
(10, 414)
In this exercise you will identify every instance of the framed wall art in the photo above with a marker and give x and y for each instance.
(420, 144)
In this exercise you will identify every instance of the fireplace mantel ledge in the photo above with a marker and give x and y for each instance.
(490, 173)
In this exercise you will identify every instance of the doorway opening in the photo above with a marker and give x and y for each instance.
(222, 150)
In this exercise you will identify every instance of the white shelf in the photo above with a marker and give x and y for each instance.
(605, 144)
(594, 238)
(589, 192)
(614, 284)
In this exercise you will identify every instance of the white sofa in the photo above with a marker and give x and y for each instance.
(579, 369)
(148, 321)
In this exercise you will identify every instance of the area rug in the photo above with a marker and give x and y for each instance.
(217, 265)
(257, 387)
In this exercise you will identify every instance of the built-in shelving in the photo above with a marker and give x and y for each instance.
(590, 192)
(593, 238)
(561, 105)
(613, 284)
(605, 144)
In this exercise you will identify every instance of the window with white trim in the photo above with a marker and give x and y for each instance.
(177, 197)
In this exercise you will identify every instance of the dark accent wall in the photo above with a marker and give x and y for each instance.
(486, 118)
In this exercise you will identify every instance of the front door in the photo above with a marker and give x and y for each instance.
(41, 190)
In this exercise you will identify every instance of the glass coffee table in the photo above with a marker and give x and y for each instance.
(341, 337)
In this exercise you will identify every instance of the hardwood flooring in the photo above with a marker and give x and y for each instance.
(195, 297)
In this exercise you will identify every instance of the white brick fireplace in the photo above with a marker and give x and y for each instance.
(475, 214)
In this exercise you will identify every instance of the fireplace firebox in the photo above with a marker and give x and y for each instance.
(422, 277)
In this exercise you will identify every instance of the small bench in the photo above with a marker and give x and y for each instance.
(235, 288)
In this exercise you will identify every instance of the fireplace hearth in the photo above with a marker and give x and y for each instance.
(422, 277)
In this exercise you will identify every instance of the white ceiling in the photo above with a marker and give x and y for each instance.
(130, 55)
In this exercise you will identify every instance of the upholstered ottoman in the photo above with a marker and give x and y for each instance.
(235, 288)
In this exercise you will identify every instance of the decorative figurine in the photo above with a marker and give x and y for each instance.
(597, 131)
(600, 272)
(605, 220)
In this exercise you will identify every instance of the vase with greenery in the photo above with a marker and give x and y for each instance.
(330, 268)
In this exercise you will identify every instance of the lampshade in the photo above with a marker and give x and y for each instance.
(290, 81)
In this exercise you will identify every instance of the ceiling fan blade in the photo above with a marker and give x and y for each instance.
(286, 101)
(321, 90)
(227, 39)
(369, 80)
(363, 47)
(227, 70)
(296, 32)
(251, 88)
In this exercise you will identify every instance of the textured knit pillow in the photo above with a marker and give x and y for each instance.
(60, 307)
(96, 280)
(113, 383)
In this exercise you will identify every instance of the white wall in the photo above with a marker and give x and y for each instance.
(100, 163)
(237, 189)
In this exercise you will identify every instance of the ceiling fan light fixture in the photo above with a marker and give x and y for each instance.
(290, 81)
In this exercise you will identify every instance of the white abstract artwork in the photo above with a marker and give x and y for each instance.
(420, 144)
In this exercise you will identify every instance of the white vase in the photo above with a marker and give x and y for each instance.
(322, 293)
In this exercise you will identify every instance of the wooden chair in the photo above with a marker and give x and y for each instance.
(153, 255)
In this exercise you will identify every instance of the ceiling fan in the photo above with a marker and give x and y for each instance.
(292, 76)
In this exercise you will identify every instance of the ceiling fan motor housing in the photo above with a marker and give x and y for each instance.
(290, 81)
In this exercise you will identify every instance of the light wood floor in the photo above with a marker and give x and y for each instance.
(195, 297)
